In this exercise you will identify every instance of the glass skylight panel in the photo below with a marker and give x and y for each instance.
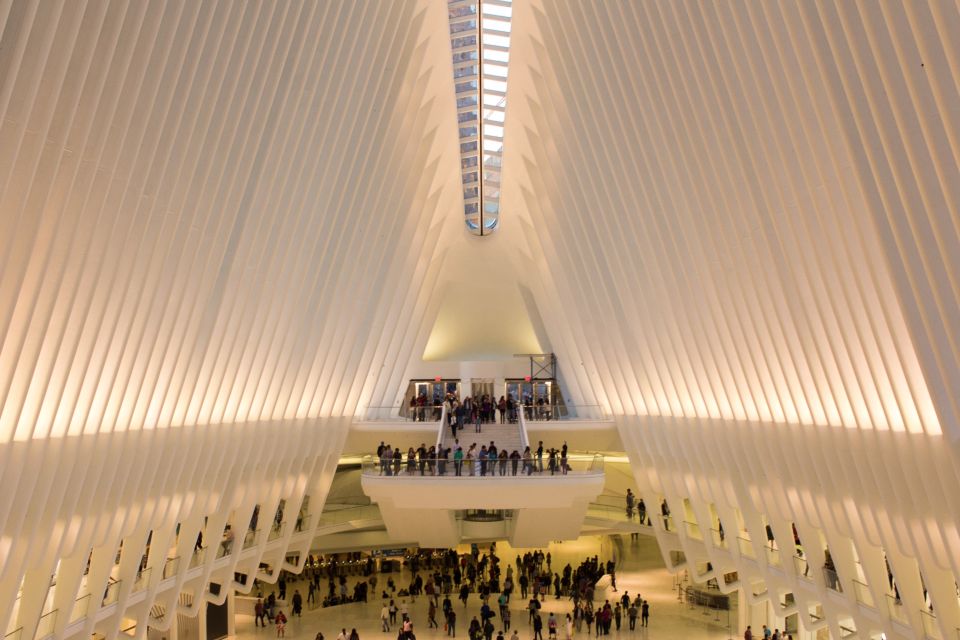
(480, 46)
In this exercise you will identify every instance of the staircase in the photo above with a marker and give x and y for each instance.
(508, 436)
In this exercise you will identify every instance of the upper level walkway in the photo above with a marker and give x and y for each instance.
(421, 494)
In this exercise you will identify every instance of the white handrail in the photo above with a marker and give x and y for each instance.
(443, 425)
(522, 422)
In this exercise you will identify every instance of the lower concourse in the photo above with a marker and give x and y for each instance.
(640, 571)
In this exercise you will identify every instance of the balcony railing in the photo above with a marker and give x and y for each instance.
(170, 567)
(895, 609)
(746, 546)
(693, 530)
(302, 523)
(81, 608)
(930, 627)
(393, 413)
(276, 530)
(197, 558)
(773, 555)
(802, 566)
(46, 625)
(111, 593)
(577, 464)
(545, 412)
(719, 538)
(250, 538)
(142, 580)
(862, 592)
(832, 580)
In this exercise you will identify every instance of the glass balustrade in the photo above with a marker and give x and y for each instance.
(302, 524)
(576, 464)
(773, 555)
(545, 412)
(667, 522)
(895, 609)
(930, 627)
(832, 580)
(198, 557)
(112, 593)
(719, 539)
(170, 567)
(402, 413)
(862, 593)
(142, 580)
(801, 566)
(693, 530)
(250, 538)
(46, 625)
(276, 530)
(81, 608)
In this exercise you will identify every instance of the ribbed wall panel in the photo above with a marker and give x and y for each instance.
(708, 212)
(742, 221)
(211, 214)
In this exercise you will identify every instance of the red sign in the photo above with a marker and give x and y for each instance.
(526, 378)
(437, 378)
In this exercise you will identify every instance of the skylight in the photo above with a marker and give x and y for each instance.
(480, 42)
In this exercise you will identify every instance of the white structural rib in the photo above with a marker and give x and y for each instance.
(742, 220)
(211, 217)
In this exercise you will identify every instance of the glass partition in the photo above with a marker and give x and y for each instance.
(576, 464)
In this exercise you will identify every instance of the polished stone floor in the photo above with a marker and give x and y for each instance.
(640, 570)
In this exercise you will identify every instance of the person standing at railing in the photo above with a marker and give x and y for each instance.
(472, 460)
(458, 461)
(411, 461)
(630, 501)
(515, 461)
(540, 457)
(527, 461)
(386, 459)
(642, 511)
(422, 457)
(443, 454)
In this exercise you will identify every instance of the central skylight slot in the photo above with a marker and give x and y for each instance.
(480, 42)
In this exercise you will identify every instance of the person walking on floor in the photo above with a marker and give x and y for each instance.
(645, 614)
(451, 623)
(260, 613)
(432, 615)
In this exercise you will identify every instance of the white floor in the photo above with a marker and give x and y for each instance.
(640, 570)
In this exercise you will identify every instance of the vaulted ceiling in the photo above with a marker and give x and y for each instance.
(214, 212)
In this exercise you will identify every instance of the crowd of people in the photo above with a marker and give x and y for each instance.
(487, 460)
(766, 634)
(479, 579)
(496, 582)
(480, 410)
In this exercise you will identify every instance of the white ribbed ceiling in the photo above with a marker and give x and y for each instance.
(745, 210)
(213, 211)
(234, 211)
